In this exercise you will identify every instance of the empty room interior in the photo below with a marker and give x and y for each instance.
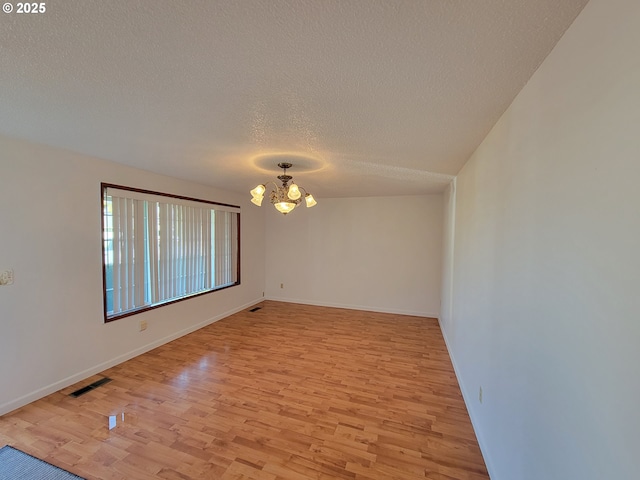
(273, 239)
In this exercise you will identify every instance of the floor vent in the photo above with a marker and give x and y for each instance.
(88, 388)
(255, 309)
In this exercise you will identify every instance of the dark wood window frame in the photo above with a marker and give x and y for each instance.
(134, 311)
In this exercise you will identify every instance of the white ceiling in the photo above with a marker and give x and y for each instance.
(367, 97)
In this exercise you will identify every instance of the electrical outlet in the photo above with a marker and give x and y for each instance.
(143, 325)
(6, 277)
(282, 285)
(480, 395)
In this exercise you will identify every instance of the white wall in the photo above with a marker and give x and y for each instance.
(448, 232)
(374, 253)
(51, 327)
(546, 263)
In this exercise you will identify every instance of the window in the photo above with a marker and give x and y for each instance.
(159, 249)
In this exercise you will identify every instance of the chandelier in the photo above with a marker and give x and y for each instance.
(286, 197)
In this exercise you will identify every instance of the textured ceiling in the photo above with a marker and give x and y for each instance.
(368, 97)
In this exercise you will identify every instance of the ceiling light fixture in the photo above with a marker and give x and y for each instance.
(286, 197)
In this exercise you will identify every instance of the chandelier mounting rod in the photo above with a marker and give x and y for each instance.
(284, 178)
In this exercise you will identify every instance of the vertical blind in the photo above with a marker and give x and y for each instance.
(159, 248)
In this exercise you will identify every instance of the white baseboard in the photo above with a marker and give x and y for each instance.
(467, 401)
(78, 377)
(366, 308)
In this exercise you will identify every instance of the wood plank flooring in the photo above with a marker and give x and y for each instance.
(286, 392)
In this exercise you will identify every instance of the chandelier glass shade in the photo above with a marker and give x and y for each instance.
(285, 197)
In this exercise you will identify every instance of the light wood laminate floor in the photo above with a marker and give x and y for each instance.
(286, 392)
